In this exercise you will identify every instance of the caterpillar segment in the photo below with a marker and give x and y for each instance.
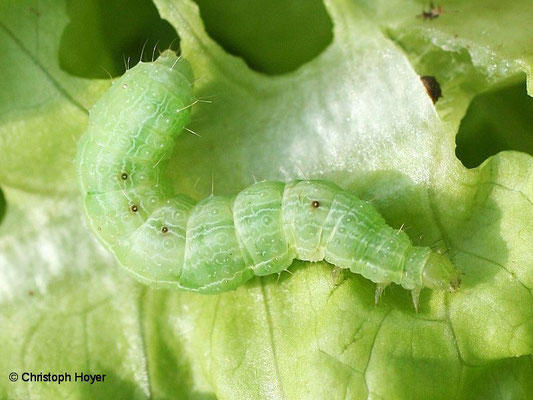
(219, 243)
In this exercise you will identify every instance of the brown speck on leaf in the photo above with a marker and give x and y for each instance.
(432, 13)
(432, 87)
(134, 208)
(315, 204)
(164, 229)
(35, 11)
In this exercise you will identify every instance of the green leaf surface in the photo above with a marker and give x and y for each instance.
(67, 308)
(358, 115)
(43, 110)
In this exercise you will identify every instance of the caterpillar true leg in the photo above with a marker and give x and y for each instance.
(221, 242)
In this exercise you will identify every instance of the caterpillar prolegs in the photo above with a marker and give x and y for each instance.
(221, 242)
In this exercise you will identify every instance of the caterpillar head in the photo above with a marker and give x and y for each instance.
(440, 274)
(177, 63)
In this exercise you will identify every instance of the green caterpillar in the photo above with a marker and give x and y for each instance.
(220, 243)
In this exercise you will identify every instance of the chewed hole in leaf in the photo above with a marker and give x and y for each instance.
(3, 206)
(496, 121)
(273, 37)
(103, 35)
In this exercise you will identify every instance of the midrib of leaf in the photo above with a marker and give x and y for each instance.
(142, 335)
(372, 346)
(41, 68)
(271, 337)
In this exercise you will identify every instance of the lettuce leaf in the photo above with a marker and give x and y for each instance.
(356, 114)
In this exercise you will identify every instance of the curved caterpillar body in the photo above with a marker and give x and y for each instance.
(221, 242)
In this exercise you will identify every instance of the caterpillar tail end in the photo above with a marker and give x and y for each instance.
(440, 274)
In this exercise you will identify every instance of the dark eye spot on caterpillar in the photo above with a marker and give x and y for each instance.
(220, 243)
(432, 87)
(432, 13)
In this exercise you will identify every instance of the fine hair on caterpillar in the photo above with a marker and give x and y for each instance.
(215, 245)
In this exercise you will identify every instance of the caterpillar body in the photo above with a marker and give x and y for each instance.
(219, 243)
